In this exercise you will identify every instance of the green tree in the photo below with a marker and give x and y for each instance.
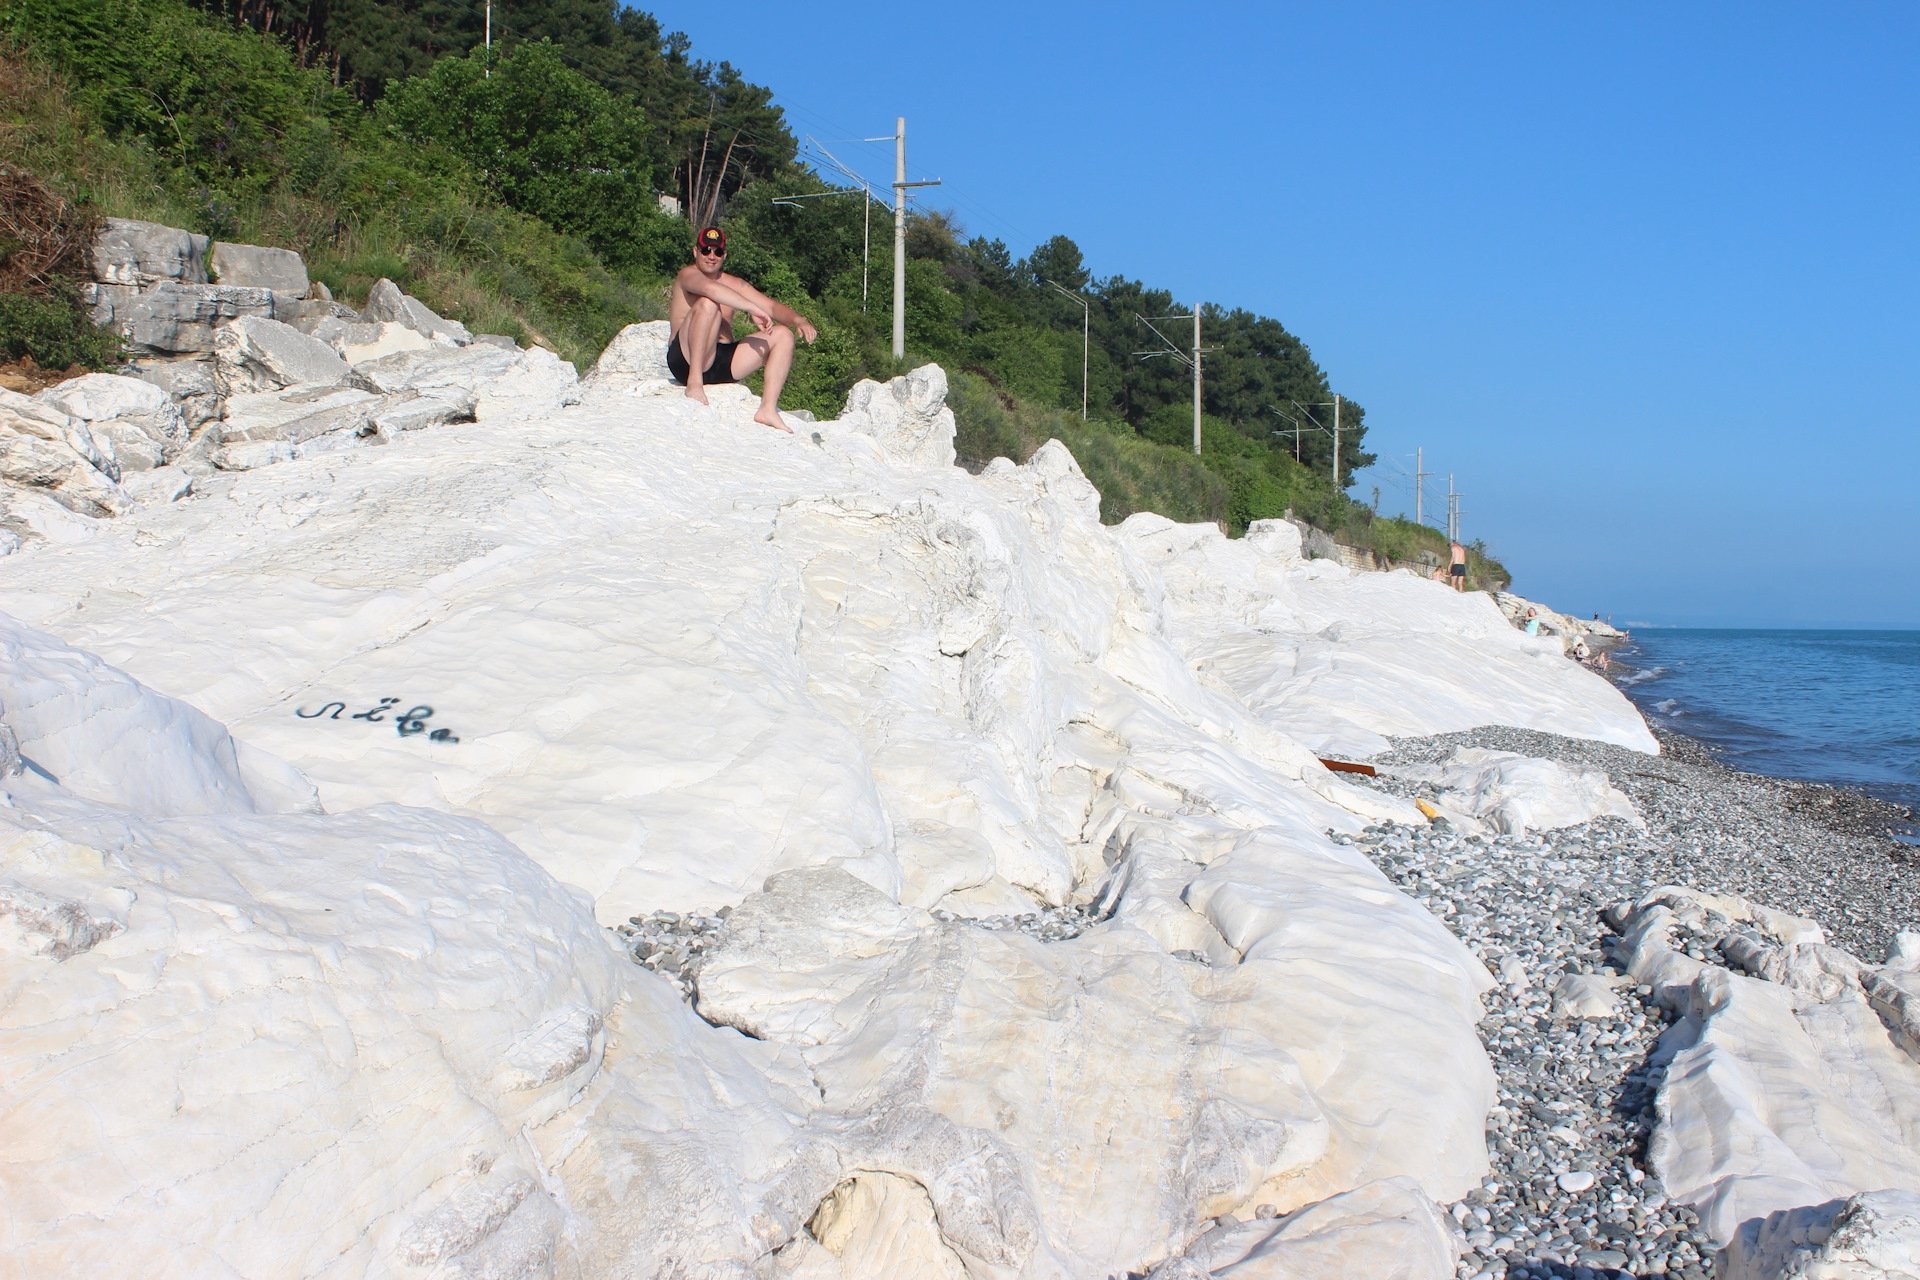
(1057, 261)
(543, 137)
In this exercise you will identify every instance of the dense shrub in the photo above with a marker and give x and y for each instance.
(53, 332)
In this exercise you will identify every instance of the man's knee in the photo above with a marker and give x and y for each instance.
(781, 337)
(703, 309)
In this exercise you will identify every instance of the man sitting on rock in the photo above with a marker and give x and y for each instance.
(700, 311)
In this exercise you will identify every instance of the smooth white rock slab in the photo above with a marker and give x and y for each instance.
(242, 1042)
(1384, 1230)
(1341, 660)
(1514, 794)
(1873, 1236)
(1786, 1088)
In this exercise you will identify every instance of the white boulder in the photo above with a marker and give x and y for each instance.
(139, 421)
(140, 254)
(254, 354)
(637, 354)
(1873, 1236)
(385, 302)
(260, 267)
(908, 416)
(1786, 1088)
(1514, 794)
(42, 447)
(100, 734)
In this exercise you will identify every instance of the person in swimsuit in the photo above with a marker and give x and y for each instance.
(702, 350)
(1457, 570)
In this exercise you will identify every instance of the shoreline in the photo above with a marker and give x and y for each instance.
(1861, 810)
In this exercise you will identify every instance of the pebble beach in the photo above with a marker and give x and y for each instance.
(1570, 1194)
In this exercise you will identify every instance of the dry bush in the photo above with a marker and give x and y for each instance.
(44, 238)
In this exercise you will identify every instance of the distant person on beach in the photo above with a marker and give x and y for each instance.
(1458, 569)
(1533, 622)
(702, 352)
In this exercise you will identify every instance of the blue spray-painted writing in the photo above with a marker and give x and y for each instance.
(411, 722)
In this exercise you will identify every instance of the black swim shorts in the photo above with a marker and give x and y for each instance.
(719, 370)
(1458, 571)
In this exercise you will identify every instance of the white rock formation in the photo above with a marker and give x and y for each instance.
(386, 302)
(1789, 1087)
(358, 341)
(908, 416)
(135, 254)
(260, 267)
(1515, 794)
(139, 422)
(569, 663)
(1341, 660)
(637, 355)
(1564, 625)
(253, 354)
(1383, 1230)
(1875, 1236)
(45, 448)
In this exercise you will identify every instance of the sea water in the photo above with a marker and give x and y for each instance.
(1830, 706)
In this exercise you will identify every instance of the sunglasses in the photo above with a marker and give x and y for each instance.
(705, 252)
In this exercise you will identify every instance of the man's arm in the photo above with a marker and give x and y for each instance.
(779, 311)
(728, 294)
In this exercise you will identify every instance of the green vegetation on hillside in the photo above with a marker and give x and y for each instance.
(514, 188)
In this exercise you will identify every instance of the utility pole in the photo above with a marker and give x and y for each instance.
(1336, 444)
(900, 186)
(1086, 331)
(1196, 378)
(1453, 511)
(899, 237)
(1419, 481)
(487, 74)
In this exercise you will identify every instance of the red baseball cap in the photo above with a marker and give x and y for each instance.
(711, 238)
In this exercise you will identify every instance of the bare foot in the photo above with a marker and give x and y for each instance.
(697, 393)
(771, 418)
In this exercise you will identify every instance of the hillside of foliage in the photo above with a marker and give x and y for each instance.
(517, 189)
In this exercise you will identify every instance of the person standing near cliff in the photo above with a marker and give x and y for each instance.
(1457, 570)
(701, 350)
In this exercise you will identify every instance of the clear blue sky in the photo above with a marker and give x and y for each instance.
(1642, 277)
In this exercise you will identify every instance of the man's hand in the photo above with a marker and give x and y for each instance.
(804, 327)
(762, 321)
